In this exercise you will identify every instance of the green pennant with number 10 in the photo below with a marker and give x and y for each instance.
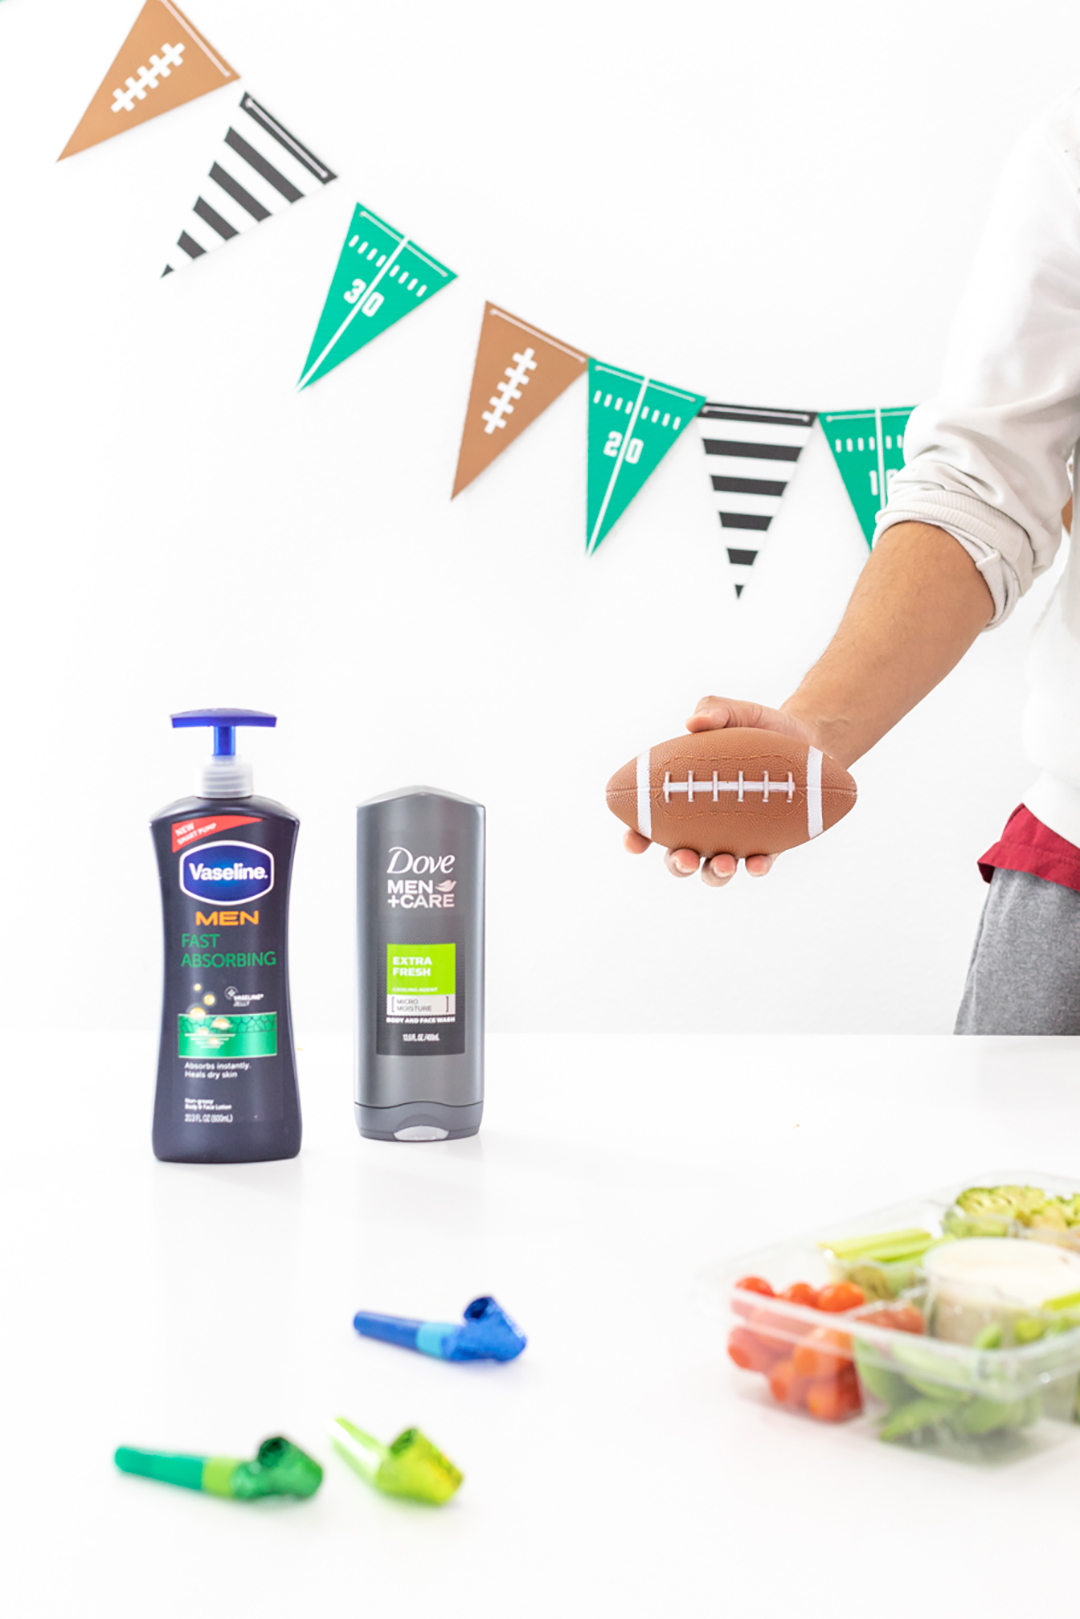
(633, 422)
(868, 447)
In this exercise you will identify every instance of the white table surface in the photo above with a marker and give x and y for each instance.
(616, 1467)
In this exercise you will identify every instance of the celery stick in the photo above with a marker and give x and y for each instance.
(858, 1247)
(1067, 1301)
(893, 1252)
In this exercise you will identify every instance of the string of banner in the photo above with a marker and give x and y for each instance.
(261, 169)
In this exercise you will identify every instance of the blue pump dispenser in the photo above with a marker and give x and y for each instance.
(223, 774)
(225, 722)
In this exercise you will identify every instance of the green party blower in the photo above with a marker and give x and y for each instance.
(410, 1466)
(280, 1468)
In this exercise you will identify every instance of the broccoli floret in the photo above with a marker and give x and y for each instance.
(990, 1210)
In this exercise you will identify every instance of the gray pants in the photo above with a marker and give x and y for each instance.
(1024, 976)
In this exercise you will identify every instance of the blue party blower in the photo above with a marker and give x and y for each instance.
(487, 1333)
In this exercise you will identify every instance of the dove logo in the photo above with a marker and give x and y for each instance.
(421, 865)
(420, 892)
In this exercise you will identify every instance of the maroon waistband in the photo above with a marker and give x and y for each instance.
(1027, 845)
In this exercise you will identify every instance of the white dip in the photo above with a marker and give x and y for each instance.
(1004, 1270)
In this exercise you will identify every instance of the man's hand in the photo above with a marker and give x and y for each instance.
(714, 714)
(917, 606)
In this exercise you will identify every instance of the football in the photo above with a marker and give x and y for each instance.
(737, 791)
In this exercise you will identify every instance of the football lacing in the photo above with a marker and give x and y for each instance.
(702, 787)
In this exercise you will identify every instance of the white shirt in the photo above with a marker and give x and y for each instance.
(987, 458)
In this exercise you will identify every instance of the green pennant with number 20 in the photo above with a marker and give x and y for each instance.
(633, 422)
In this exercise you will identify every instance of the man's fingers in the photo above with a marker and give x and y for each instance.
(681, 862)
(718, 872)
(718, 713)
(715, 873)
(715, 713)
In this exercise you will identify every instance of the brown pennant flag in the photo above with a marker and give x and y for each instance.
(519, 372)
(162, 63)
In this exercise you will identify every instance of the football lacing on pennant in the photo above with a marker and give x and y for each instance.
(704, 787)
(517, 376)
(160, 68)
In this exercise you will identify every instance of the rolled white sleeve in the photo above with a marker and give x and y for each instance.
(986, 459)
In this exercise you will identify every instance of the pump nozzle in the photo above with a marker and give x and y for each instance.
(223, 775)
(488, 1333)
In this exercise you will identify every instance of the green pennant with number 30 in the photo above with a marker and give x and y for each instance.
(633, 422)
(381, 276)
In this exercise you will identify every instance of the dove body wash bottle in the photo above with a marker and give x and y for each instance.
(226, 1081)
(420, 966)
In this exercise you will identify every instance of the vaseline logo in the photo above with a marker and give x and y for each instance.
(226, 871)
(422, 865)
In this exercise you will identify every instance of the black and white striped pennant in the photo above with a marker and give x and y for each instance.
(260, 170)
(751, 454)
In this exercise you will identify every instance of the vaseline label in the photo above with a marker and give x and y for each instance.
(226, 871)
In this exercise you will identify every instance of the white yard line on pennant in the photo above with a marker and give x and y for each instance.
(520, 324)
(627, 435)
(354, 311)
(676, 393)
(196, 36)
(380, 224)
(420, 254)
(880, 454)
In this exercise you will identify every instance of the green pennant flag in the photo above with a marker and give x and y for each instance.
(868, 446)
(633, 422)
(380, 277)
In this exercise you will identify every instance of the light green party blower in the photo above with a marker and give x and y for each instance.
(410, 1466)
(280, 1468)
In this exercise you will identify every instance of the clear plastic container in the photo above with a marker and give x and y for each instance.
(959, 1352)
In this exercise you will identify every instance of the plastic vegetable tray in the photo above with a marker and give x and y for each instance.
(1014, 1390)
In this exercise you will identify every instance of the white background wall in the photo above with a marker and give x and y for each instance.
(769, 203)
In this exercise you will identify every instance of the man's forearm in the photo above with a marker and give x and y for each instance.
(917, 607)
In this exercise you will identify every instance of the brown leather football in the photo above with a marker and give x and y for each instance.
(737, 791)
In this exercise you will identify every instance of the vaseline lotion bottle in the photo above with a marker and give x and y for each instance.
(226, 1081)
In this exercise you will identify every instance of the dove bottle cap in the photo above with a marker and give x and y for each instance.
(419, 966)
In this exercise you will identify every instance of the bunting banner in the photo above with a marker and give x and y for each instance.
(633, 422)
(162, 63)
(260, 169)
(519, 372)
(396, 276)
(868, 446)
(751, 454)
